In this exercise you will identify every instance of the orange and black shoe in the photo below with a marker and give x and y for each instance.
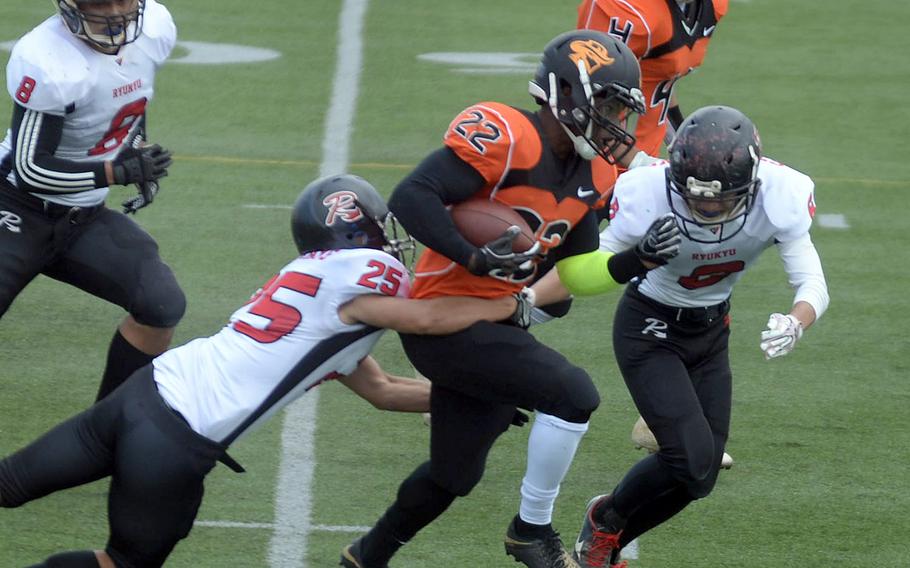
(542, 552)
(598, 545)
(352, 557)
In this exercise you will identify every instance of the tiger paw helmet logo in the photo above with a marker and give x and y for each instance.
(342, 205)
(592, 52)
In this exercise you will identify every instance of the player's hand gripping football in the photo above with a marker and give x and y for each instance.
(661, 242)
(497, 259)
(781, 336)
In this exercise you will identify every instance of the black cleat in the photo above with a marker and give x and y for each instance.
(351, 556)
(546, 552)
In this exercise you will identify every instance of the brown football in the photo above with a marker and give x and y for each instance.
(481, 221)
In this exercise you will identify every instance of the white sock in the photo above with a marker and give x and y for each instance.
(551, 447)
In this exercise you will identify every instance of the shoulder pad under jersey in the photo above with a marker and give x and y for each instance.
(491, 137)
(159, 33)
(47, 69)
(788, 199)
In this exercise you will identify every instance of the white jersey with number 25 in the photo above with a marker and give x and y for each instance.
(286, 340)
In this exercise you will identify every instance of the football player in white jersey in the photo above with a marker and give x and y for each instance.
(80, 83)
(671, 328)
(163, 430)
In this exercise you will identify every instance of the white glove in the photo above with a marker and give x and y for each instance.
(781, 336)
(642, 159)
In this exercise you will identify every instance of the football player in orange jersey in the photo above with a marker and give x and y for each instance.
(670, 39)
(542, 164)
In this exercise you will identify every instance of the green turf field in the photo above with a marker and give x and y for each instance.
(820, 438)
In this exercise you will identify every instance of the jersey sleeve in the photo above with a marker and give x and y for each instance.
(625, 22)
(483, 137)
(45, 81)
(632, 210)
(789, 201)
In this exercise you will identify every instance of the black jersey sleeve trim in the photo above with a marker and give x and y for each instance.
(35, 137)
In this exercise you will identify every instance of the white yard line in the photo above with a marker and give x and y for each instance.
(293, 495)
(270, 526)
(833, 221)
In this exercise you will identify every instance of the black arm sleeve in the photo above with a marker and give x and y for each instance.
(35, 137)
(625, 266)
(584, 237)
(419, 202)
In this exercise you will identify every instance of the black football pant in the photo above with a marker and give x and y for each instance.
(156, 462)
(100, 251)
(479, 375)
(675, 364)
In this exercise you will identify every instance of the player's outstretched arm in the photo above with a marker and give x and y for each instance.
(388, 392)
(436, 316)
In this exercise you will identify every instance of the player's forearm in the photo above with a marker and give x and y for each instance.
(442, 316)
(549, 290)
(388, 392)
(37, 136)
(804, 312)
(805, 274)
(597, 272)
(419, 202)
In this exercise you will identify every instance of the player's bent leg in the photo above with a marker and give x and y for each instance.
(72, 453)
(157, 488)
(419, 501)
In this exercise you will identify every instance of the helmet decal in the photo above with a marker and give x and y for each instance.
(593, 53)
(342, 206)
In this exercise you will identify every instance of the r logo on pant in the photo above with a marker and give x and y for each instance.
(655, 327)
(10, 221)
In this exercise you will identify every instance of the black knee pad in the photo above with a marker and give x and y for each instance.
(580, 398)
(699, 489)
(160, 306)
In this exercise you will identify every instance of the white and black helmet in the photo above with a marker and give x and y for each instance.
(343, 212)
(714, 169)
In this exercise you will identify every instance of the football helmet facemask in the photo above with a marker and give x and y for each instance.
(592, 83)
(714, 172)
(107, 32)
(344, 212)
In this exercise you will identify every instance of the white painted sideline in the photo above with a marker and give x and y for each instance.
(293, 495)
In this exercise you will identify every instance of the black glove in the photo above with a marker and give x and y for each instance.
(497, 259)
(661, 242)
(141, 165)
(147, 193)
(520, 418)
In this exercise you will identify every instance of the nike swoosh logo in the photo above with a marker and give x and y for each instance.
(708, 31)
(584, 193)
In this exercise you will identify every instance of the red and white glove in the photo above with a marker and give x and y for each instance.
(781, 336)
